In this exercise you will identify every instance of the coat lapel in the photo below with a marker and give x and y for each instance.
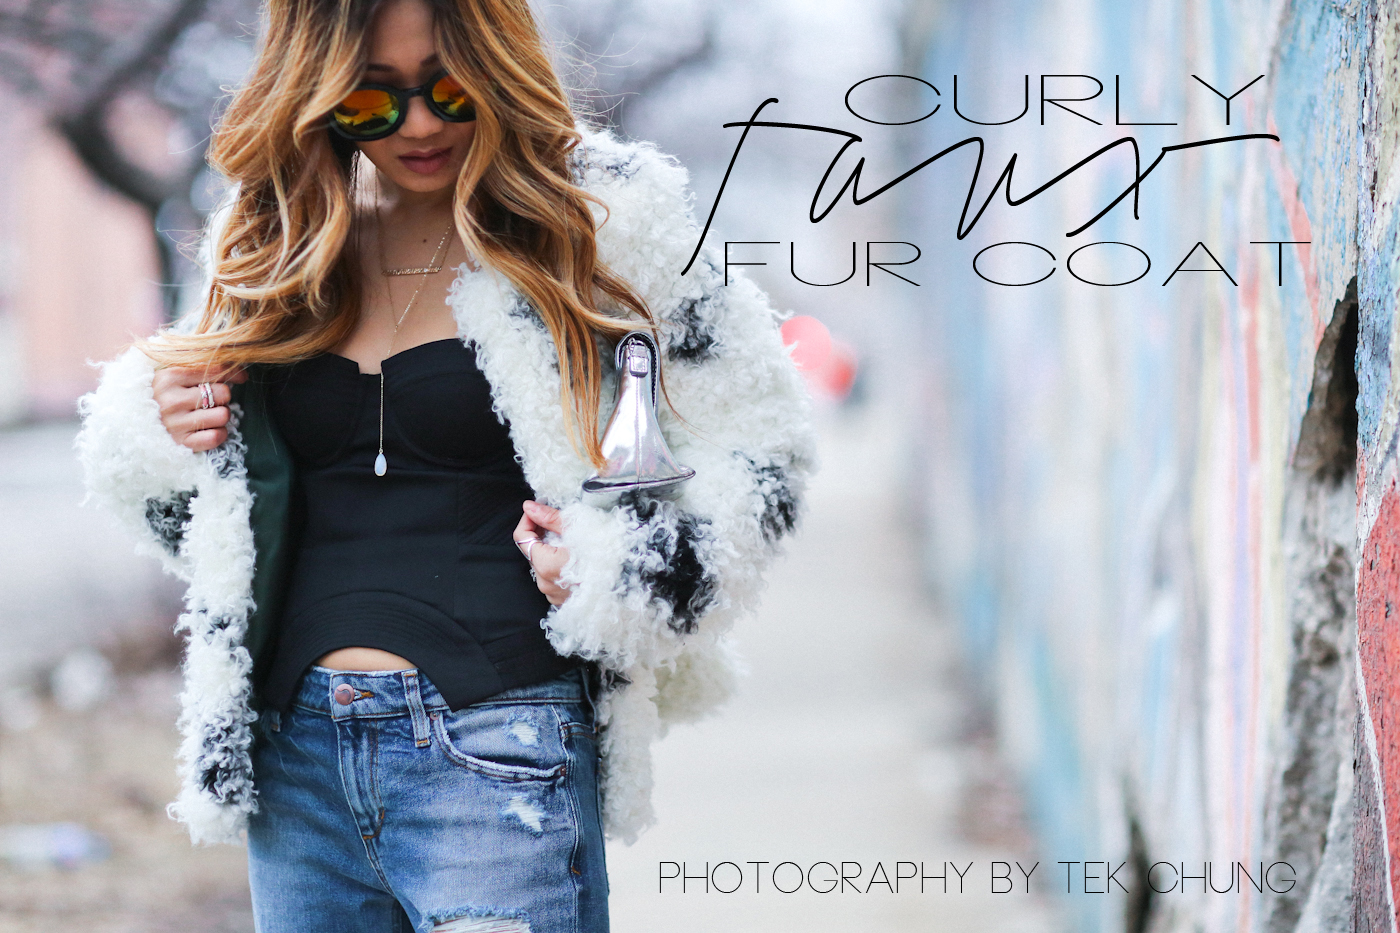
(517, 356)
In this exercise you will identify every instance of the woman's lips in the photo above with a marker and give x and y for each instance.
(426, 163)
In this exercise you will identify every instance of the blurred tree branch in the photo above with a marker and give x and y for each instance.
(665, 37)
(81, 61)
(636, 81)
(85, 126)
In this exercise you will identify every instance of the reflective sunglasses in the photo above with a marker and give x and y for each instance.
(373, 111)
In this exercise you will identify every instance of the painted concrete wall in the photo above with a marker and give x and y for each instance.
(1378, 525)
(1145, 502)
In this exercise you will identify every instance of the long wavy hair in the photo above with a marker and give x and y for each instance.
(283, 284)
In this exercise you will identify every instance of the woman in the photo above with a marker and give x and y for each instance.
(396, 379)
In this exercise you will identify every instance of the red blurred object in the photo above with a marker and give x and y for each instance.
(830, 365)
(812, 339)
(838, 376)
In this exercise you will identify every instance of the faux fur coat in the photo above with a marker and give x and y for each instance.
(656, 588)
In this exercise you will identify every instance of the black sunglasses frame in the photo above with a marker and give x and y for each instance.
(402, 95)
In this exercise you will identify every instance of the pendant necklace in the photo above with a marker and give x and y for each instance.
(381, 465)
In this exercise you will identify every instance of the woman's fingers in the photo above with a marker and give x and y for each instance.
(549, 563)
(544, 516)
(176, 399)
(201, 441)
(178, 395)
(200, 419)
(524, 529)
(546, 559)
(222, 392)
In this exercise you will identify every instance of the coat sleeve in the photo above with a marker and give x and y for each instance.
(657, 585)
(132, 467)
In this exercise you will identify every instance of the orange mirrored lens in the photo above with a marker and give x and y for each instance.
(366, 112)
(451, 98)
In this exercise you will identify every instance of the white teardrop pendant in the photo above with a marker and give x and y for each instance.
(381, 466)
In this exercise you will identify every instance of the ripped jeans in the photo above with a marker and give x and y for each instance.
(382, 811)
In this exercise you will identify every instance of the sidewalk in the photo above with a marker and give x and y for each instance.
(71, 582)
(68, 575)
(849, 742)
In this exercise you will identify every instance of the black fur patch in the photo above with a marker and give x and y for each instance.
(522, 309)
(779, 514)
(580, 161)
(226, 771)
(683, 583)
(168, 517)
(623, 168)
(696, 341)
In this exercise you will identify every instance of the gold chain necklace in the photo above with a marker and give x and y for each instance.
(434, 266)
(381, 465)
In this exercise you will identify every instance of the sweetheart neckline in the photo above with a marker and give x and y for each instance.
(394, 356)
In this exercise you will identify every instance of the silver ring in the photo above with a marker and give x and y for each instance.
(527, 547)
(206, 395)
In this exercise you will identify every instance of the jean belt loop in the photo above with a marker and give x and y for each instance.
(274, 719)
(415, 709)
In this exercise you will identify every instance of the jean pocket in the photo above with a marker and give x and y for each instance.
(509, 743)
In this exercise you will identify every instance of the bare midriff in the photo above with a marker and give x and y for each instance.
(363, 659)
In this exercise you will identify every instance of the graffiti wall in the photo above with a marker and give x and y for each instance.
(1165, 508)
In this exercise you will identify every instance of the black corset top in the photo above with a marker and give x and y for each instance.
(437, 412)
(419, 561)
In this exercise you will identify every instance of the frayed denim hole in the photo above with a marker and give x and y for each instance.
(524, 728)
(530, 814)
(473, 920)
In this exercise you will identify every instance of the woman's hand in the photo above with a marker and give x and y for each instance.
(178, 394)
(546, 560)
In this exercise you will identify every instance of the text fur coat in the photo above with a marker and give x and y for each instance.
(655, 589)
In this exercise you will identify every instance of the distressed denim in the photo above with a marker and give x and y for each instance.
(391, 813)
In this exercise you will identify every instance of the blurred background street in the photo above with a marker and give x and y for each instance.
(69, 576)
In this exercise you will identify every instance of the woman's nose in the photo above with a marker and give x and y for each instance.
(420, 121)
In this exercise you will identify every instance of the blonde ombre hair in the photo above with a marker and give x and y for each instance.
(283, 284)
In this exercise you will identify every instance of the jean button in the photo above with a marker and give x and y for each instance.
(345, 694)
